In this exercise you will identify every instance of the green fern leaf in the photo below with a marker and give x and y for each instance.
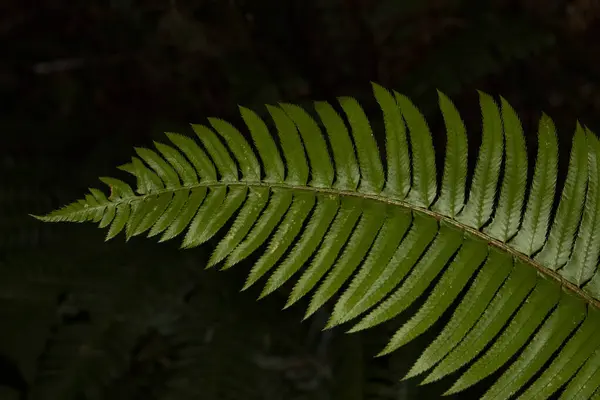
(148, 181)
(217, 151)
(257, 200)
(195, 232)
(569, 313)
(508, 213)
(388, 240)
(583, 385)
(365, 232)
(269, 155)
(580, 267)
(177, 161)
(239, 147)
(532, 234)
(282, 239)
(279, 204)
(371, 169)
(452, 196)
(469, 258)
(382, 234)
(557, 249)
(203, 165)
(164, 171)
(576, 351)
(492, 275)
(338, 234)
(347, 172)
(323, 215)
(520, 328)
(424, 186)
(480, 204)
(398, 160)
(297, 165)
(421, 234)
(443, 247)
(320, 164)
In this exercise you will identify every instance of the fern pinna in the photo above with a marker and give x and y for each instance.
(332, 207)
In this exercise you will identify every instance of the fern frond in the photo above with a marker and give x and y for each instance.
(389, 232)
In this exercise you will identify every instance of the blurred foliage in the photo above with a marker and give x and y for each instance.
(83, 82)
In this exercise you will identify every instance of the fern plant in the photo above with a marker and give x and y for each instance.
(524, 277)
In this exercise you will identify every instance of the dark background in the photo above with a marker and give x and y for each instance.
(82, 82)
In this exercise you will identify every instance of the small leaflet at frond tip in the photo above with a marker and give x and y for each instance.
(128, 167)
(44, 218)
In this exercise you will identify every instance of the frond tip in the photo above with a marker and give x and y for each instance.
(386, 233)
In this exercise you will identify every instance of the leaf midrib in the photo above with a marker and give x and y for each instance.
(382, 199)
